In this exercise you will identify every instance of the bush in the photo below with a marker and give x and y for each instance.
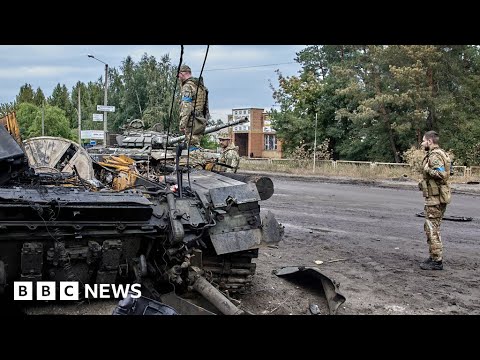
(303, 155)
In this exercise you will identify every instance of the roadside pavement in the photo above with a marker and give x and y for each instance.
(402, 182)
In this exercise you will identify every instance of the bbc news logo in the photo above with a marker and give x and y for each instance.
(69, 290)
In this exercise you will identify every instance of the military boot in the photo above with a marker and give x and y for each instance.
(431, 264)
(427, 261)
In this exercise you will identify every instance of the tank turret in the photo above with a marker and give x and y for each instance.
(136, 137)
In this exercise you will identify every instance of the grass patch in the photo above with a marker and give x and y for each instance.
(362, 170)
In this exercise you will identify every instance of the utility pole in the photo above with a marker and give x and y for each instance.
(79, 112)
(104, 100)
(105, 103)
(315, 143)
(43, 118)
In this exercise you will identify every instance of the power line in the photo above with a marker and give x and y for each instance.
(248, 67)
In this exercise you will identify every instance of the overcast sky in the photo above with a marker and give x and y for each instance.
(245, 83)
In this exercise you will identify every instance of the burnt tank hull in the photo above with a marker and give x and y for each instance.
(56, 226)
(67, 233)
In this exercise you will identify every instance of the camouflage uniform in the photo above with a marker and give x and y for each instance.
(436, 190)
(187, 103)
(230, 157)
(196, 159)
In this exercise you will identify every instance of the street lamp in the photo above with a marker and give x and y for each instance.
(104, 100)
(315, 142)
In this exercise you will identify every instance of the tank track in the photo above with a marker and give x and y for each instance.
(232, 272)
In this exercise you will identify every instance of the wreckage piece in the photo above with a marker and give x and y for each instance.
(450, 218)
(330, 287)
(12, 157)
(124, 172)
(263, 183)
(142, 306)
(10, 123)
(239, 223)
(215, 297)
(48, 154)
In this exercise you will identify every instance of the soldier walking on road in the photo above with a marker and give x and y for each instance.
(436, 191)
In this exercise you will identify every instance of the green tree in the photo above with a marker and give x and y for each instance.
(208, 142)
(38, 97)
(310, 94)
(27, 113)
(25, 95)
(61, 98)
(144, 90)
(29, 118)
(375, 101)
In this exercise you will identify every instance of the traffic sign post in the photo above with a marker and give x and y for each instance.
(97, 117)
(92, 134)
(106, 108)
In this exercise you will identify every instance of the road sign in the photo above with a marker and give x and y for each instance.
(106, 108)
(93, 142)
(97, 117)
(92, 134)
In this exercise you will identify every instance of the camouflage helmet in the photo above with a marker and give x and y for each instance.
(224, 137)
(185, 68)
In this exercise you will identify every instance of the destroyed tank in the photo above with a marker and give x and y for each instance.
(154, 152)
(174, 236)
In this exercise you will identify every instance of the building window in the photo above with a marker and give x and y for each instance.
(270, 142)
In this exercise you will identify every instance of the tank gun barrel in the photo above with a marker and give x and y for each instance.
(209, 130)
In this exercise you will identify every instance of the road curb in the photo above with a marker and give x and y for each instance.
(409, 184)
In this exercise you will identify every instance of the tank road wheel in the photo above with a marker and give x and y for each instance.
(232, 272)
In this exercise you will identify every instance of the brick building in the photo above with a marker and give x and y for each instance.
(255, 138)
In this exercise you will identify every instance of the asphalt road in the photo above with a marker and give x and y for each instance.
(376, 242)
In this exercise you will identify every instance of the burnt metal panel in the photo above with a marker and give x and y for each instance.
(72, 196)
(309, 273)
(241, 194)
(83, 162)
(234, 241)
(191, 212)
(272, 231)
(45, 154)
(18, 204)
(9, 149)
(203, 181)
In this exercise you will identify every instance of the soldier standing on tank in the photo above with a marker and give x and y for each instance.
(194, 112)
(436, 190)
(229, 154)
